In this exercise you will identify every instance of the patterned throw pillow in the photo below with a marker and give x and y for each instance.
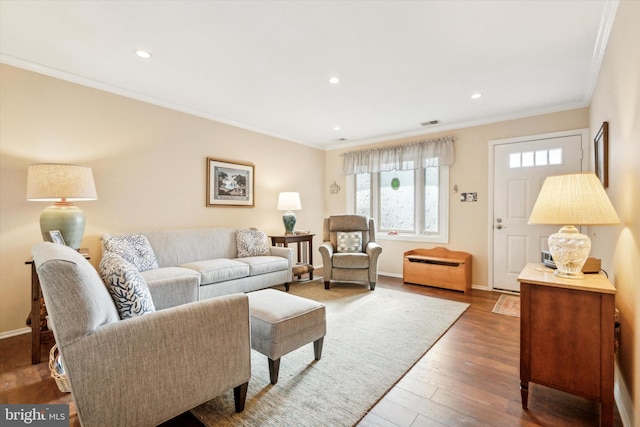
(127, 287)
(252, 243)
(349, 241)
(135, 248)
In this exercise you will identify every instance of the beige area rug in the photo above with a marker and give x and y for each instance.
(373, 339)
(508, 305)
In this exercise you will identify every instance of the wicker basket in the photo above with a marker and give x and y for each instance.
(61, 379)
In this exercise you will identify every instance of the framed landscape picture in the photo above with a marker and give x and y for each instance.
(229, 183)
(601, 149)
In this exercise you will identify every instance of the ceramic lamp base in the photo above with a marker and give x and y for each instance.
(289, 220)
(66, 218)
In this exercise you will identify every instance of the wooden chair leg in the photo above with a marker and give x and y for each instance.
(274, 369)
(317, 348)
(372, 285)
(240, 396)
(326, 284)
(286, 286)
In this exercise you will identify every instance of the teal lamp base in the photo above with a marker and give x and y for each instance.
(289, 220)
(66, 218)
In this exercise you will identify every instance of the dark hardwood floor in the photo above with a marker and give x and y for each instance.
(468, 378)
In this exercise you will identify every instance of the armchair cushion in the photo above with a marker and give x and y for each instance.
(134, 248)
(251, 243)
(127, 287)
(349, 241)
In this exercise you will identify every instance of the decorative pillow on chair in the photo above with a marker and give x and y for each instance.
(134, 248)
(350, 241)
(252, 243)
(127, 287)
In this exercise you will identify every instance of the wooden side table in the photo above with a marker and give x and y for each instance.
(567, 335)
(40, 332)
(305, 260)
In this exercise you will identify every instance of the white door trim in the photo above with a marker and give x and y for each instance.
(586, 155)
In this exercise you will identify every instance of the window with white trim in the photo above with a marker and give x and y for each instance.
(407, 202)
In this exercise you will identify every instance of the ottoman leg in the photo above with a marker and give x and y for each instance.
(317, 348)
(274, 369)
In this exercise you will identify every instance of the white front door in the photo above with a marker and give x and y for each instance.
(520, 166)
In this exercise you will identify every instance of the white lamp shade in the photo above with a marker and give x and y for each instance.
(53, 182)
(289, 201)
(576, 199)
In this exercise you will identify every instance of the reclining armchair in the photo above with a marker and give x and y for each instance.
(349, 251)
(143, 370)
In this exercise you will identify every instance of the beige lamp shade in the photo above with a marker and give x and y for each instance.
(289, 201)
(570, 200)
(61, 184)
(577, 199)
(53, 182)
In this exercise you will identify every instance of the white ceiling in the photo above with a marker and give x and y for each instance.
(265, 65)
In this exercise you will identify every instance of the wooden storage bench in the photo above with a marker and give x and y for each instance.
(438, 267)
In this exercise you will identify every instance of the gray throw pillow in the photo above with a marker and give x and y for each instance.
(350, 241)
(252, 243)
(135, 248)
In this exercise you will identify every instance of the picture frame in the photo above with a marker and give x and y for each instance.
(230, 183)
(601, 150)
(56, 237)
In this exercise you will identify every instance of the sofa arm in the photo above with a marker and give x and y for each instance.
(125, 372)
(285, 253)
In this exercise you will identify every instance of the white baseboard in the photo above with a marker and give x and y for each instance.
(623, 399)
(15, 332)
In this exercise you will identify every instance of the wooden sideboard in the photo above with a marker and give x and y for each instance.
(567, 335)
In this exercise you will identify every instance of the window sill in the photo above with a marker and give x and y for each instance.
(412, 238)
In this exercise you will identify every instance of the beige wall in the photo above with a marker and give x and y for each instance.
(617, 100)
(149, 164)
(468, 222)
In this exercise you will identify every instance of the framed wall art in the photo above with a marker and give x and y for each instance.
(229, 183)
(601, 150)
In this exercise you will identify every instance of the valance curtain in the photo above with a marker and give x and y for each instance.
(417, 155)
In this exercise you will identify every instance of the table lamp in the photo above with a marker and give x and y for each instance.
(61, 184)
(289, 201)
(576, 199)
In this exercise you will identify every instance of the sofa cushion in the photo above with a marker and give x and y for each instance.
(264, 264)
(349, 241)
(135, 248)
(218, 270)
(251, 243)
(127, 287)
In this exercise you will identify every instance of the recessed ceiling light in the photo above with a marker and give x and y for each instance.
(143, 54)
(336, 128)
(334, 80)
(476, 95)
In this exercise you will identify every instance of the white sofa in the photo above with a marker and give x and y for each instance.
(201, 263)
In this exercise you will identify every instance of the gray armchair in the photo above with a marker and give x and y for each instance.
(349, 251)
(144, 370)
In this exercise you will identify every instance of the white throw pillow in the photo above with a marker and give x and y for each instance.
(252, 243)
(135, 248)
(127, 287)
(350, 241)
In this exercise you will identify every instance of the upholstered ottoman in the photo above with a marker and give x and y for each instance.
(281, 323)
